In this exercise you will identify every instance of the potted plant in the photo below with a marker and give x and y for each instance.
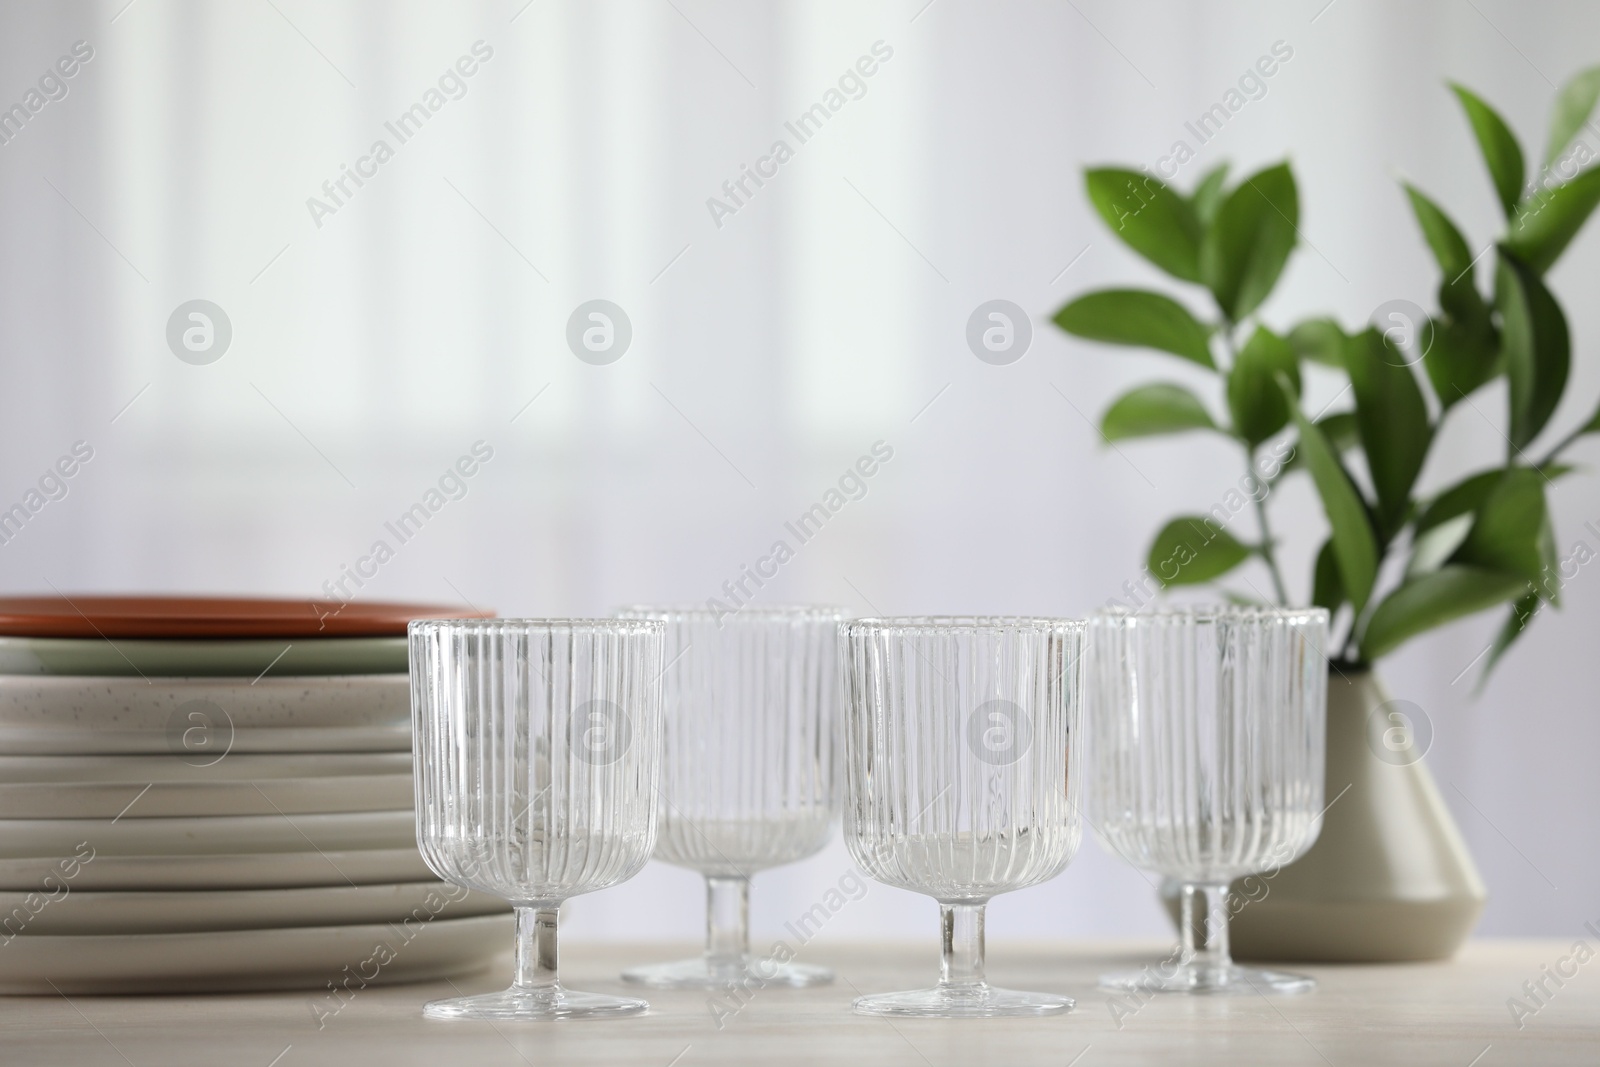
(1388, 877)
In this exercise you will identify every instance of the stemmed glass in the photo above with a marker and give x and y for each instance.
(961, 743)
(750, 713)
(1206, 726)
(537, 753)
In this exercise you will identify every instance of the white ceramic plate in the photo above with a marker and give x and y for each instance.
(307, 957)
(90, 869)
(53, 741)
(265, 796)
(65, 910)
(206, 834)
(204, 717)
(233, 767)
(212, 657)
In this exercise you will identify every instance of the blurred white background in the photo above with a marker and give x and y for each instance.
(768, 353)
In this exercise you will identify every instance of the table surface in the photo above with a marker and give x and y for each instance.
(1452, 1013)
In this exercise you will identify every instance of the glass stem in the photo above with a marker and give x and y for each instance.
(727, 918)
(535, 966)
(1205, 926)
(961, 945)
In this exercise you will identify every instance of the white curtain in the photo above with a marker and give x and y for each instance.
(375, 345)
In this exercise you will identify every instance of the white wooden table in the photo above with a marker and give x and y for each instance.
(1453, 1014)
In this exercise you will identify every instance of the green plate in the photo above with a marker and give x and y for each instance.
(201, 658)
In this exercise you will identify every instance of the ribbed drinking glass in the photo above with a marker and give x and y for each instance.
(750, 749)
(962, 746)
(537, 747)
(1206, 728)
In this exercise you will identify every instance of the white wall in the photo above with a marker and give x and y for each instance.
(774, 350)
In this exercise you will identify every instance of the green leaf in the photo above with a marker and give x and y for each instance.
(1462, 303)
(1137, 317)
(1522, 613)
(1319, 340)
(1246, 246)
(1433, 600)
(1460, 359)
(1354, 546)
(1593, 425)
(1192, 549)
(1393, 417)
(1500, 150)
(1432, 548)
(1556, 470)
(1255, 399)
(1572, 108)
(1468, 495)
(1511, 528)
(1463, 498)
(1549, 584)
(1160, 408)
(1449, 247)
(1326, 589)
(1402, 328)
(1150, 217)
(1341, 431)
(1536, 344)
(1548, 221)
(1458, 291)
(1462, 351)
(1208, 194)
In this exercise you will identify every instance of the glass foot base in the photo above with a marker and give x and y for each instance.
(748, 972)
(962, 1002)
(1227, 979)
(547, 1003)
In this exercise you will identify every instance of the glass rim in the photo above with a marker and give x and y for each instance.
(758, 612)
(1212, 613)
(954, 624)
(538, 626)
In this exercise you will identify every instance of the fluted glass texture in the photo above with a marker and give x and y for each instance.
(750, 736)
(963, 754)
(1207, 733)
(749, 770)
(537, 747)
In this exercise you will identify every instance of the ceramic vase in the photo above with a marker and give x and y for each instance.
(1389, 877)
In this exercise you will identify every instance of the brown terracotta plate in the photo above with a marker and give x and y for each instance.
(220, 617)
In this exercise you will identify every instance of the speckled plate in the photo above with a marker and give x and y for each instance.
(202, 718)
(307, 957)
(208, 834)
(76, 911)
(197, 658)
(89, 869)
(170, 767)
(259, 796)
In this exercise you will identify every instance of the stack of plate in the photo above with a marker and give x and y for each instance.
(216, 794)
